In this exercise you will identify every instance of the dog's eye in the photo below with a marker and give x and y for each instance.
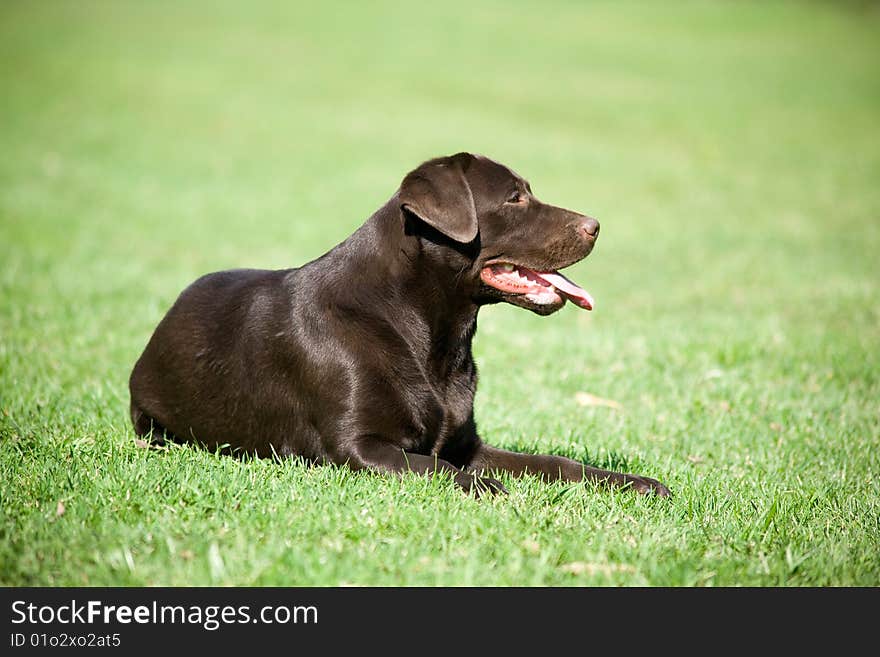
(516, 197)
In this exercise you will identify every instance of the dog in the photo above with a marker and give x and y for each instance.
(363, 356)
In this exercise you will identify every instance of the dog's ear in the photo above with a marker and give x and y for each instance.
(438, 193)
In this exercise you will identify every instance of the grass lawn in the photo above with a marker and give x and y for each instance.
(730, 150)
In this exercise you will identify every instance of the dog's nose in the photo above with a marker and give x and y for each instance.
(590, 227)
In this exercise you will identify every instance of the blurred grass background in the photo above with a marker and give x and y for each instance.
(730, 150)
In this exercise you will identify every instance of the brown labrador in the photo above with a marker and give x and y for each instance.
(363, 356)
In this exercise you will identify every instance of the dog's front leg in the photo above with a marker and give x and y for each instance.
(552, 468)
(374, 453)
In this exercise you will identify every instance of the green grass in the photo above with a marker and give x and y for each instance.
(731, 151)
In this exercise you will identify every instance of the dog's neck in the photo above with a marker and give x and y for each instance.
(426, 280)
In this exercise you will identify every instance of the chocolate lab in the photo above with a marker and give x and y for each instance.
(363, 356)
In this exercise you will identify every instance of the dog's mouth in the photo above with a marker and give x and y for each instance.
(543, 288)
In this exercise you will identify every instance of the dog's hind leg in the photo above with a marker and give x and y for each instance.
(147, 427)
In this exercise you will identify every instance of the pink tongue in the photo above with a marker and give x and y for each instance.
(574, 293)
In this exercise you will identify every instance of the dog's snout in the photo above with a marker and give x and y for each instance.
(589, 227)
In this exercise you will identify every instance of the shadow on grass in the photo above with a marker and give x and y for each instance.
(610, 460)
(606, 460)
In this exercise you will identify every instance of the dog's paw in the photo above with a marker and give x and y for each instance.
(648, 486)
(479, 485)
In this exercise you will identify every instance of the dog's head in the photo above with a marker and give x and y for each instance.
(507, 244)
